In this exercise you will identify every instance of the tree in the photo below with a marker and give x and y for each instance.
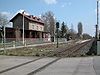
(63, 29)
(3, 23)
(45, 20)
(49, 23)
(73, 34)
(80, 30)
(86, 36)
(3, 20)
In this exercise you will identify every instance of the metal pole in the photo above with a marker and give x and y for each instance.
(4, 32)
(97, 12)
(23, 26)
(4, 36)
(57, 37)
(54, 33)
(57, 26)
(97, 26)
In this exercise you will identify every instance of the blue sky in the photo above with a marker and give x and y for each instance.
(69, 11)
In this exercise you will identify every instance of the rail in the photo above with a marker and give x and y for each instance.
(82, 48)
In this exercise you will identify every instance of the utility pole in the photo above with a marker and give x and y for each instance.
(4, 36)
(97, 25)
(23, 27)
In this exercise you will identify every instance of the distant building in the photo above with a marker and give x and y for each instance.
(33, 27)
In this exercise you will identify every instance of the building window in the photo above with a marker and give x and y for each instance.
(37, 27)
(32, 26)
(41, 28)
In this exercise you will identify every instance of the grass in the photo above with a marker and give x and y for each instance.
(45, 50)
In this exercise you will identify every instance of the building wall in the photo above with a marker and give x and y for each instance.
(18, 21)
(26, 24)
(36, 26)
(32, 29)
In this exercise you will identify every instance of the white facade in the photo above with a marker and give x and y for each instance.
(36, 26)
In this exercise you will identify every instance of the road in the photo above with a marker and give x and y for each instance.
(96, 62)
(15, 65)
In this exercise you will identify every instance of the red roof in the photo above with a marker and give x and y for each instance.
(30, 17)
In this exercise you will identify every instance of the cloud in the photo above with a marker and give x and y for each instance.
(5, 13)
(50, 1)
(8, 15)
(39, 16)
(65, 4)
(11, 15)
(69, 3)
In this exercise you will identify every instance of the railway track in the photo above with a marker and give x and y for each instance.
(30, 67)
(83, 47)
(71, 51)
(34, 66)
(43, 67)
(14, 67)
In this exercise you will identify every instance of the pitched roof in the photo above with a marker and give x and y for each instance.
(29, 17)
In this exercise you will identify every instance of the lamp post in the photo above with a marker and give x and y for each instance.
(23, 27)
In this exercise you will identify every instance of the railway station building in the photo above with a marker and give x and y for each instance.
(33, 28)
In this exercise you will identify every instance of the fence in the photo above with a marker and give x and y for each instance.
(12, 42)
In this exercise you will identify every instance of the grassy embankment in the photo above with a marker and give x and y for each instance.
(44, 50)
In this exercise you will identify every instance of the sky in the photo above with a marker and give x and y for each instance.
(70, 11)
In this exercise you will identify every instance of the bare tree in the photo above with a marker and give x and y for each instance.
(49, 23)
(3, 23)
(3, 20)
(73, 34)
